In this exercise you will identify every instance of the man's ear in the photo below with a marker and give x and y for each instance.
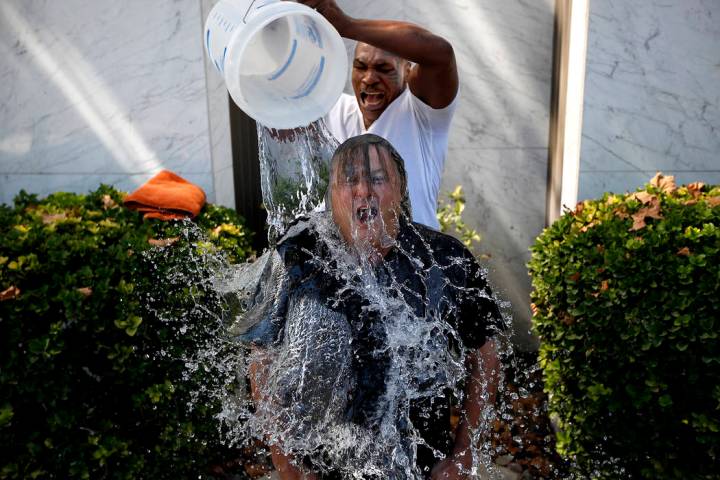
(407, 65)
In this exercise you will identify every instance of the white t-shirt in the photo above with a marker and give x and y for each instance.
(417, 131)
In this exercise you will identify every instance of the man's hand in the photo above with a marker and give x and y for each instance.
(286, 466)
(454, 467)
(330, 10)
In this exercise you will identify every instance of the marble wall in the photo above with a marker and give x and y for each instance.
(652, 94)
(218, 125)
(101, 92)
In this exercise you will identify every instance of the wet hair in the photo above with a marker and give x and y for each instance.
(348, 152)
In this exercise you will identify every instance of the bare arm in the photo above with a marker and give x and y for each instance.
(433, 78)
(285, 465)
(286, 468)
(480, 391)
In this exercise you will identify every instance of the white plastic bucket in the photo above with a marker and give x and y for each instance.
(284, 64)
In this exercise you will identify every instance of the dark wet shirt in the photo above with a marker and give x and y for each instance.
(436, 276)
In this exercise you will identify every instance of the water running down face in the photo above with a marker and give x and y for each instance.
(366, 199)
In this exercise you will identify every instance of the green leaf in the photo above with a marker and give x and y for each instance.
(6, 414)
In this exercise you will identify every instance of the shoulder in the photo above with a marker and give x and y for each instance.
(344, 119)
(345, 105)
(299, 230)
(408, 107)
(301, 240)
(433, 247)
(434, 114)
(440, 242)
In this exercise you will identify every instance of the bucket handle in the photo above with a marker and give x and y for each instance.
(247, 12)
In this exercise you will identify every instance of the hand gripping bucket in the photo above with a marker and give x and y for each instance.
(284, 64)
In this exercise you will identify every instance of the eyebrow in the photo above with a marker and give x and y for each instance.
(377, 171)
(357, 61)
(372, 172)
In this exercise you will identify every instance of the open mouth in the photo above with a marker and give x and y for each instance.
(372, 99)
(366, 214)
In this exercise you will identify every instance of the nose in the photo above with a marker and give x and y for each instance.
(361, 189)
(370, 76)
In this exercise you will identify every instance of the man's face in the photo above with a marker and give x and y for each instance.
(378, 77)
(365, 199)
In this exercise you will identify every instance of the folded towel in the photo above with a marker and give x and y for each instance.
(167, 196)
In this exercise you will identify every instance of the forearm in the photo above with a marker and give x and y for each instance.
(480, 390)
(406, 40)
(285, 465)
(480, 393)
(287, 468)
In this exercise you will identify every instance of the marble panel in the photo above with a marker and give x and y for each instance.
(100, 89)
(145, 107)
(504, 55)
(597, 183)
(224, 186)
(218, 125)
(505, 196)
(652, 94)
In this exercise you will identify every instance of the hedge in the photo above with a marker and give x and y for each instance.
(627, 306)
(99, 312)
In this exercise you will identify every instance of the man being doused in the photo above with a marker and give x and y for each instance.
(368, 329)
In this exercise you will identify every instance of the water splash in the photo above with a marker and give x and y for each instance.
(324, 353)
(294, 169)
(311, 363)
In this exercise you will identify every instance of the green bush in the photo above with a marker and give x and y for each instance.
(627, 306)
(449, 215)
(99, 312)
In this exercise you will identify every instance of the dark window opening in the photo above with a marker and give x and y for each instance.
(246, 175)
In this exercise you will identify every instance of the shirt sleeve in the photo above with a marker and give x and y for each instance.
(264, 303)
(435, 119)
(277, 273)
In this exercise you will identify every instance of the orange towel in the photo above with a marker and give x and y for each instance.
(167, 196)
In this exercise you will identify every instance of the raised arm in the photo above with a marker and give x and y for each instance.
(433, 78)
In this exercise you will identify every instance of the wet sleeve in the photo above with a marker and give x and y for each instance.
(264, 293)
(479, 316)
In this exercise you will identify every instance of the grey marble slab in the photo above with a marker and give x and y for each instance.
(113, 91)
(218, 125)
(100, 90)
(652, 94)
(505, 193)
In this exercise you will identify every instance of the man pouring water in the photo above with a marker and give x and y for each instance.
(368, 330)
(405, 81)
